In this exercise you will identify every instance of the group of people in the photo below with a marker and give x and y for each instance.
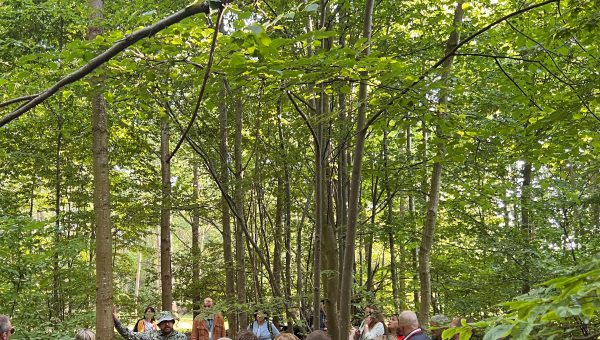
(210, 325)
(404, 326)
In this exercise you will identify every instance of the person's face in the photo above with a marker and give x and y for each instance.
(166, 326)
(393, 323)
(208, 303)
(149, 314)
(260, 316)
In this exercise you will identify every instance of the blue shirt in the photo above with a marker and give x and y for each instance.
(262, 331)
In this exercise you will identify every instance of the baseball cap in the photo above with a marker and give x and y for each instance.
(165, 316)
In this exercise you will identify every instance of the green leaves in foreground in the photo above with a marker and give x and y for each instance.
(567, 306)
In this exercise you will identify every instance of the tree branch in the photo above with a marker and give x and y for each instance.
(517, 85)
(104, 57)
(18, 100)
(211, 58)
(452, 52)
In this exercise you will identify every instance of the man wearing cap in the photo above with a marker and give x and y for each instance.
(165, 321)
(208, 325)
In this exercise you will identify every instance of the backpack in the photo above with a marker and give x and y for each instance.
(269, 326)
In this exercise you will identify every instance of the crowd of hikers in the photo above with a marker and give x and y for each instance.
(210, 325)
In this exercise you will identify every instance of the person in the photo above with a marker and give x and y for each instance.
(322, 316)
(287, 336)
(208, 325)
(165, 322)
(85, 334)
(147, 323)
(246, 335)
(409, 326)
(438, 323)
(318, 335)
(262, 327)
(372, 326)
(6, 328)
(392, 331)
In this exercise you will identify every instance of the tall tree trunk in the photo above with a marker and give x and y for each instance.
(241, 216)
(526, 228)
(226, 218)
(56, 306)
(390, 222)
(196, 289)
(278, 234)
(436, 178)
(165, 218)
(299, 276)
(287, 202)
(104, 293)
(369, 234)
(354, 190)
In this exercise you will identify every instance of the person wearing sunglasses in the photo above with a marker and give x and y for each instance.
(6, 328)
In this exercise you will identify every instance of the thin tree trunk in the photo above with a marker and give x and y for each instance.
(278, 234)
(390, 222)
(369, 234)
(165, 218)
(436, 178)
(196, 289)
(226, 218)
(299, 276)
(353, 202)
(241, 216)
(526, 225)
(56, 307)
(104, 293)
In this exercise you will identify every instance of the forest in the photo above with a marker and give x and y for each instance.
(427, 155)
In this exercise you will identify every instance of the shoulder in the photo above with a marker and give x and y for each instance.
(421, 336)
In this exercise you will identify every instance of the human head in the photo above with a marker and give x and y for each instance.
(208, 303)
(260, 316)
(165, 322)
(286, 336)
(318, 335)
(407, 322)
(393, 326)
(6, 328)
(246, 335)
(85, 334)
(149, 313)
(224, 338)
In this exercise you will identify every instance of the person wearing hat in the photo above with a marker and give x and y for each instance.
(165, 321)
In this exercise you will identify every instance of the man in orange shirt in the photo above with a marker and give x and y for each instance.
(208, 325)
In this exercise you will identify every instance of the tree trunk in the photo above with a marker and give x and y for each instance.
(526, 225)
(226, 218)
(165, 218)
(354, 190)
(56, 306)
(196, 289)
(241, 216)
(390, 222)
(436, 177)
(278, 234)
(104, 293)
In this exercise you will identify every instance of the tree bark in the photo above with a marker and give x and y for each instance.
(241, 216)
(526, 228)
(390, 222)
(354, 190)
(104, 293)
(56, 305)
(196, 289)
(436, 177)
(166, 274)
(225, 216)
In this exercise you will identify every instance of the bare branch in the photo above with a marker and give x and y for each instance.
(211, 58)
(517, 85)
(18, 100)
(99, 60)
(452, 52)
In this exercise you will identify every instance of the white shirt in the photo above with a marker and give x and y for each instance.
(372, 333)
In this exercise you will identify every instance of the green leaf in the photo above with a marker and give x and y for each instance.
(498, 332)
